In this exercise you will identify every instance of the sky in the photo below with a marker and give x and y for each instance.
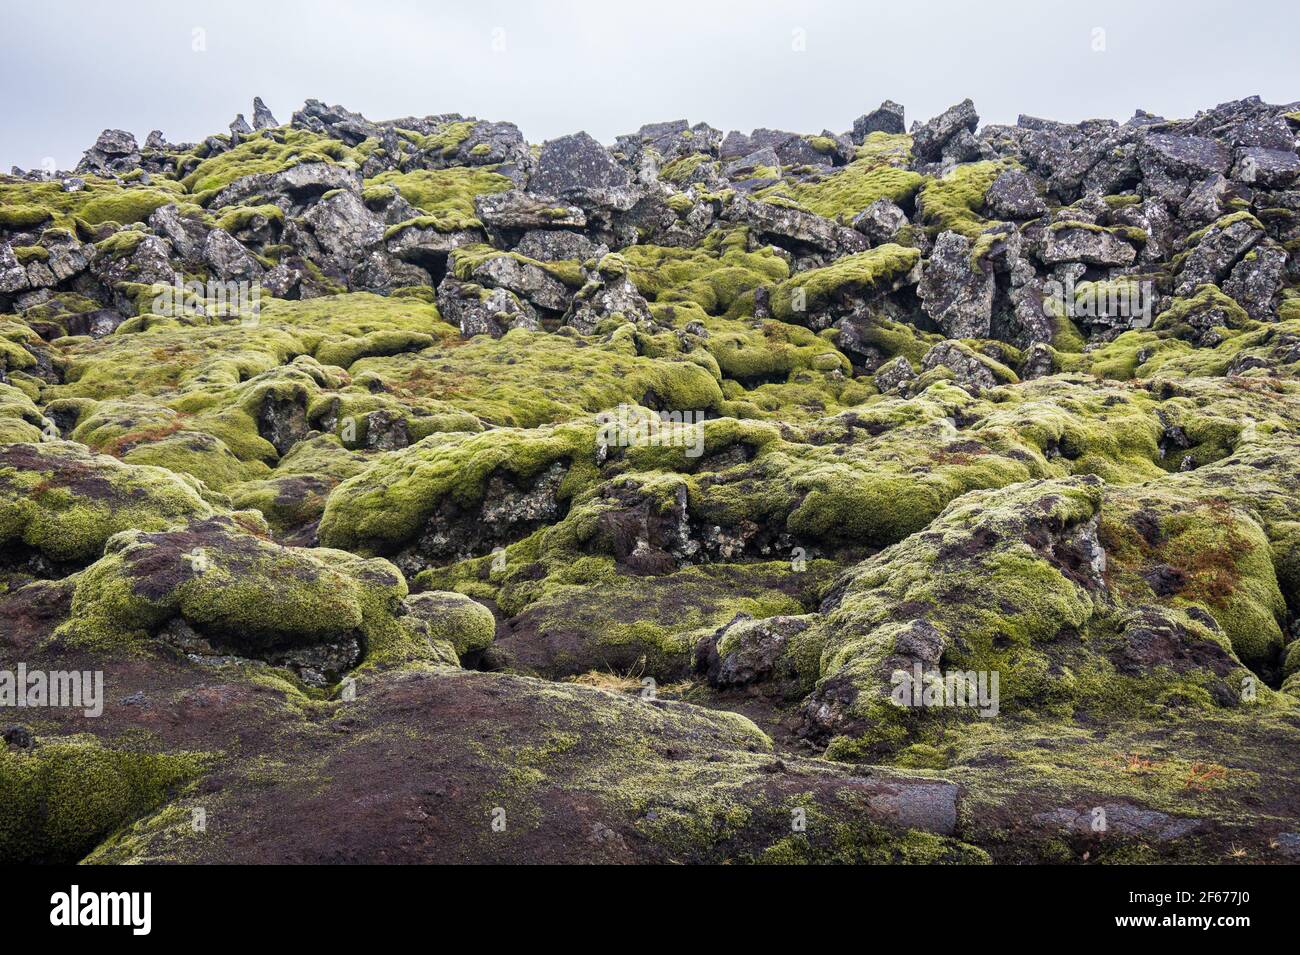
(70, 68)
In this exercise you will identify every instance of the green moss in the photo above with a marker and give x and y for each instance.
(241, 217)
(1223, 223)
(65, 503)
(679, 170)
(444, 141)
(1220, 559)
(66, 795)
(31, 253)
(715, 276)
(24, 204)
(876, 173)
(446, 196)
(466, 259)
(853, 274)
(386, 505)
(16, 216)
(121, 243)
(132, 205)
(551, 377)
(268, 151)
(227, 580)
(954, 202)
(455, 618)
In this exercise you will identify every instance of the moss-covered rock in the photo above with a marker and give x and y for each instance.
(59, 503)
(60, 799)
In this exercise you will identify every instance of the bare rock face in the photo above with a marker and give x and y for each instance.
(579, 168)
(479, 311)
(930, 139)
(1014, 195)
(263, 118)
(886, 118)
(881, 221)
(1216, 253)
(114, 152)
(957, 293)
(1076, 242)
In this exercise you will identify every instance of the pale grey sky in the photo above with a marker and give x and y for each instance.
(69, 68)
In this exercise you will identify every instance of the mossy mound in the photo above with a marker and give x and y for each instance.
(61, 799)
(244, 594)
(444, 196)
(1022, 583)
(63, 503)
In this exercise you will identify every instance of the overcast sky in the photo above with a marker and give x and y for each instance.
(69, 68)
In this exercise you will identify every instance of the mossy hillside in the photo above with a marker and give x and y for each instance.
(1258, 349)
(20, 347)
(168, 358)
(854, 482)
(860, 274)
(65, 502)
(697, 805)
(20, 419)
(58, 801)
(592, 616)
(1080, 428)
(294, 494)
(467, 258)
(873, 475)
(55, 310)
(235, 218)
(342, 329)
(445, 196)
(999, 601)
(211, 431)
(1201, 765)
(1172, 349)
(444, 141)
(805, 395)
(753, 352)
(876, 492)
(455, 619)
(213, 380)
